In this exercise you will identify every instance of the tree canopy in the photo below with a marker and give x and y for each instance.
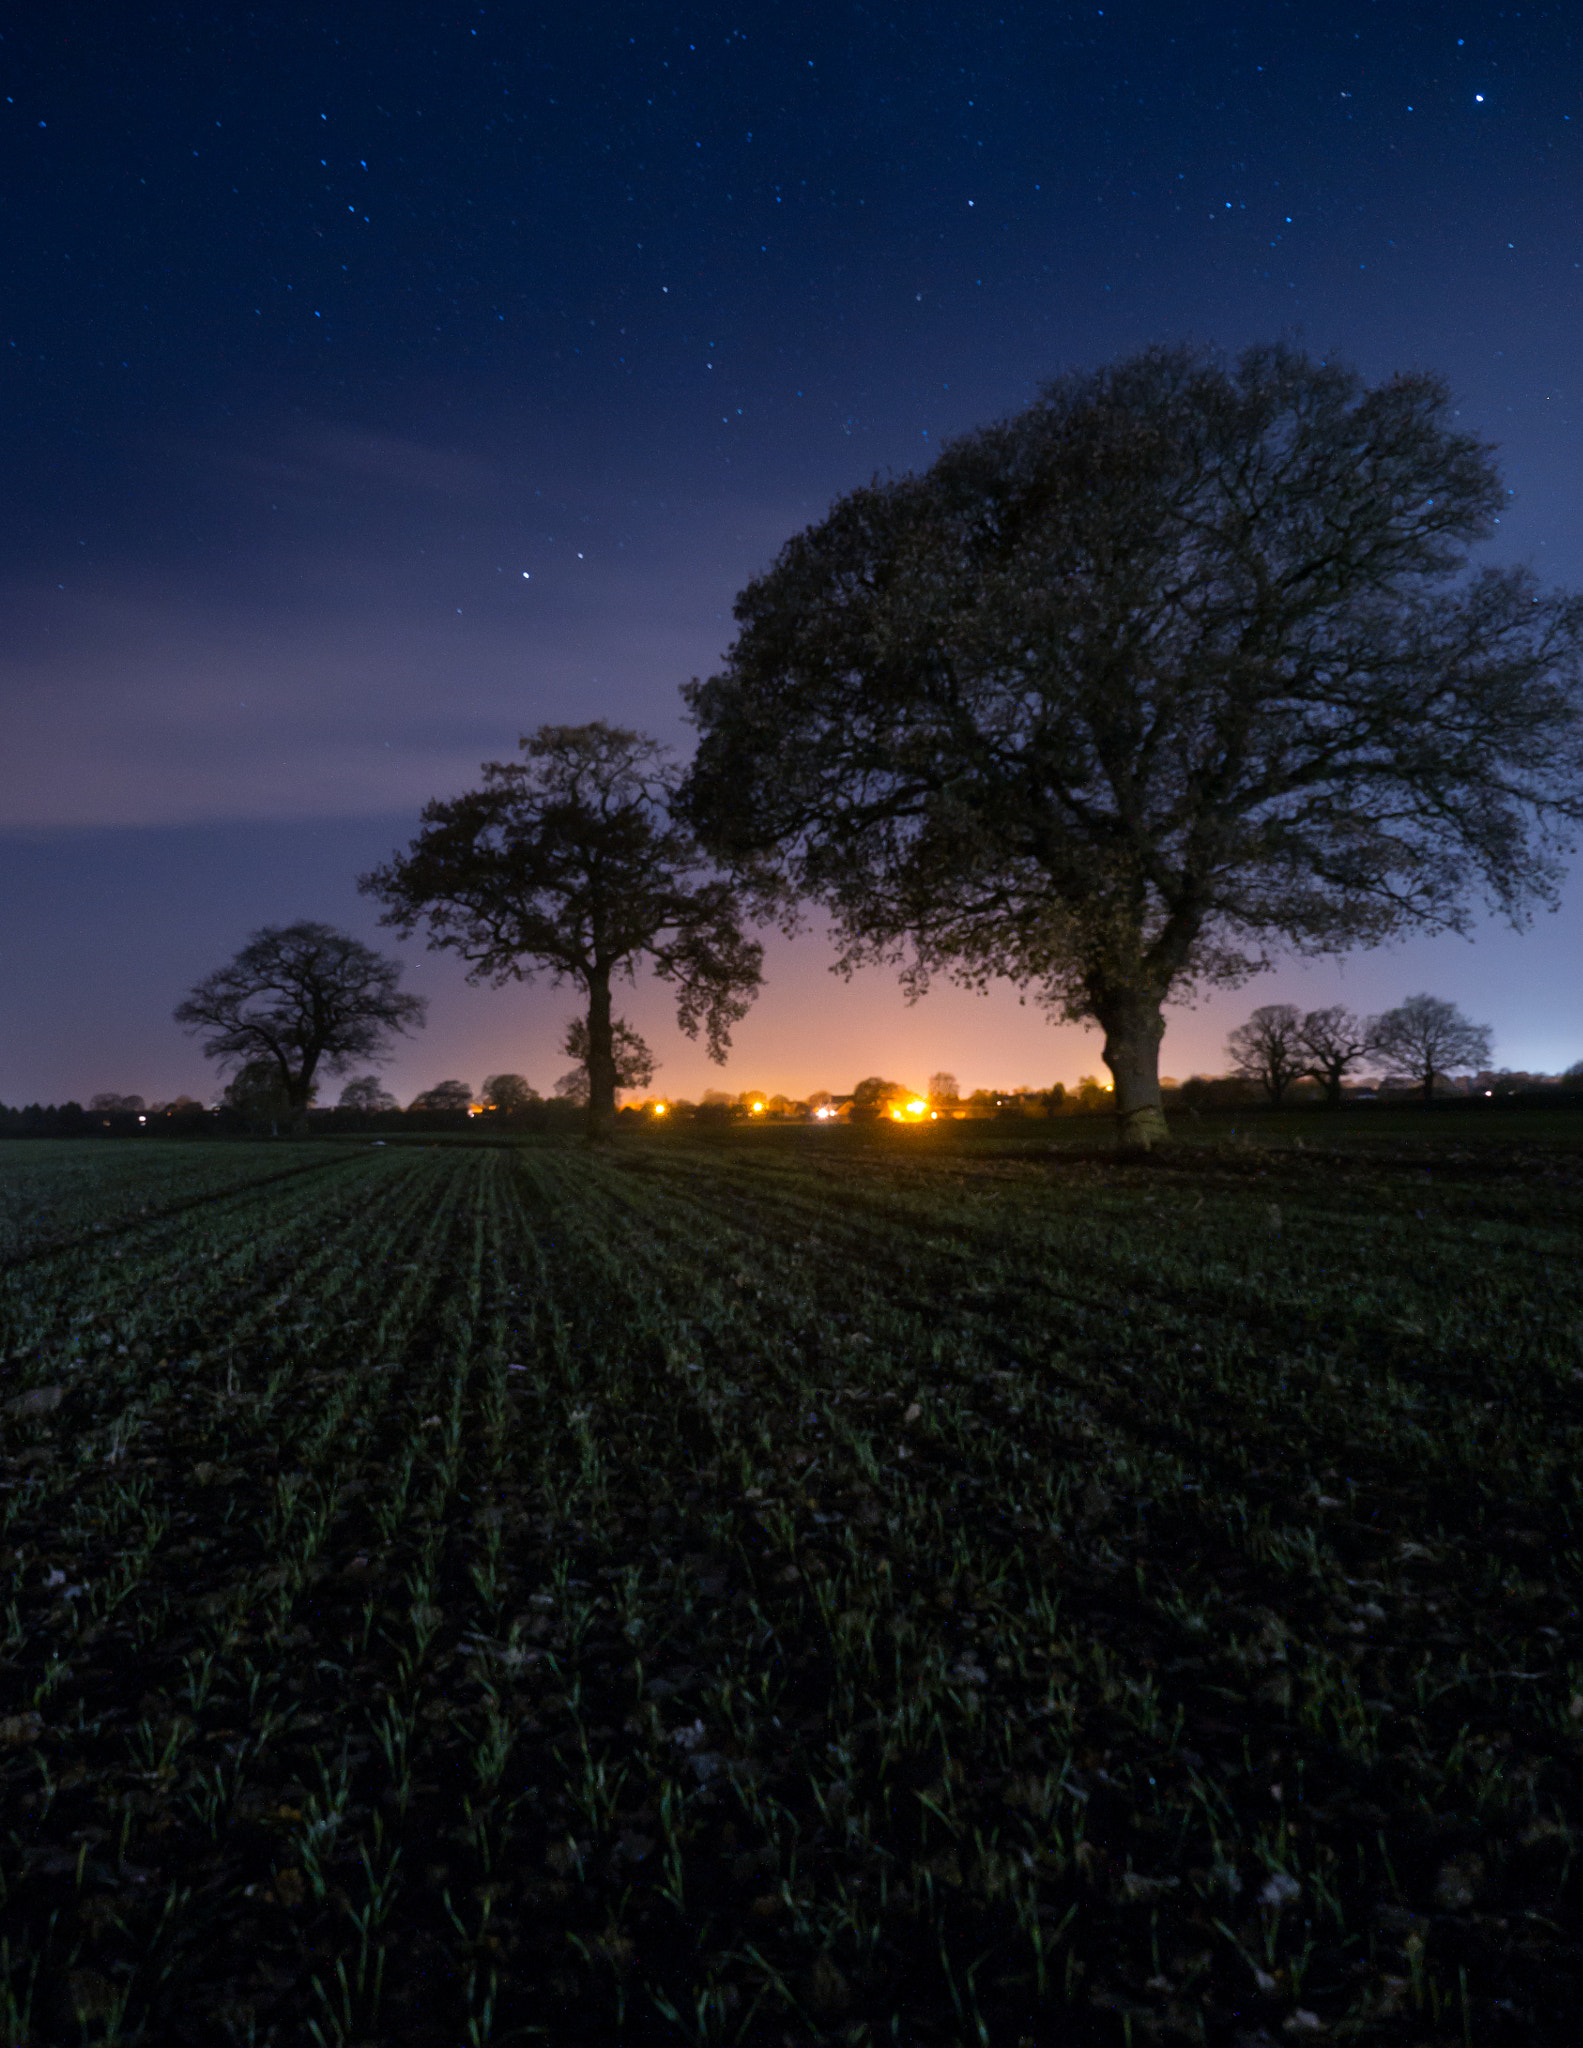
(1425, 1036)
(1269, 1048)
(451, 1095)
(301, 997)
(509, 1092)
(367, 1093)
(1179, 664)
(570, 863)
(1333, 1042)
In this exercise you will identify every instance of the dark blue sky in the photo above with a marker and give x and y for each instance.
(380, 383)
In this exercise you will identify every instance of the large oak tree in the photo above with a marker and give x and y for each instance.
(569, 863)
(1182, 663)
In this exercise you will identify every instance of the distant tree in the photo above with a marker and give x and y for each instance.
(301, 996)
(1269, 1048)
(1574, 1072)
(1425, 1036)
(944, 1091)
(875, 1097)
(367, 1093)
(178, 1105)
(451, 1095)
(1333, 1041)
(633, 1062)
(1092, 1093)
(1158, 674)
(106, 1104)
(256, 1091)
(570, 863)
(507, 1092)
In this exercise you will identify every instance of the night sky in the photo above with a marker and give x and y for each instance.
(382, 382)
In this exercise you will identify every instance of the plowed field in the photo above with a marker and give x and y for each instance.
(790, 1593)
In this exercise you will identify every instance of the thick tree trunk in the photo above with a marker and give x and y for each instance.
(601, 1057)
(299, 1094)
(1133, 1028)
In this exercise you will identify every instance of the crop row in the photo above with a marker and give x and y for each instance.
(702, 1593)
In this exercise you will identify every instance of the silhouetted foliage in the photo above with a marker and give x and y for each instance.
(874, 1097)
(301, 997)
(570, 863)
(1426, 1036)
(509, 1092)
(367, 1093)
(1129, 688)
(257, 1094)
(1269, 1048)
(1333, 1042)
(452, 1095)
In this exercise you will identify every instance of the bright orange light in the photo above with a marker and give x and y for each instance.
(916, 1108)
(822, 1114)
(896, 1115)
(758, 1109)
(659, 1109)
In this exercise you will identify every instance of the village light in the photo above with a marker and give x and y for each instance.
(758, 1109)
(659, 1109)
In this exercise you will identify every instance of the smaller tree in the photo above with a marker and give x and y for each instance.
(1332, 1042)
(1426, 1036)
(367, 1093)
(571, 863)
(301, 997)
(944, 1093)
(452, 1095)
(109, 1104)
(508, 1092)
(634, 1064)
(874, 1097)
(1269, 1048)
(255, 1091)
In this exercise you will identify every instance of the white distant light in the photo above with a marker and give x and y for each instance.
(525, 577)
(1478, 99)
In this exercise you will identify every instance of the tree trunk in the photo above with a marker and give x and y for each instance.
(1133, 1028)
(601, 1057)
(299, 1093)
